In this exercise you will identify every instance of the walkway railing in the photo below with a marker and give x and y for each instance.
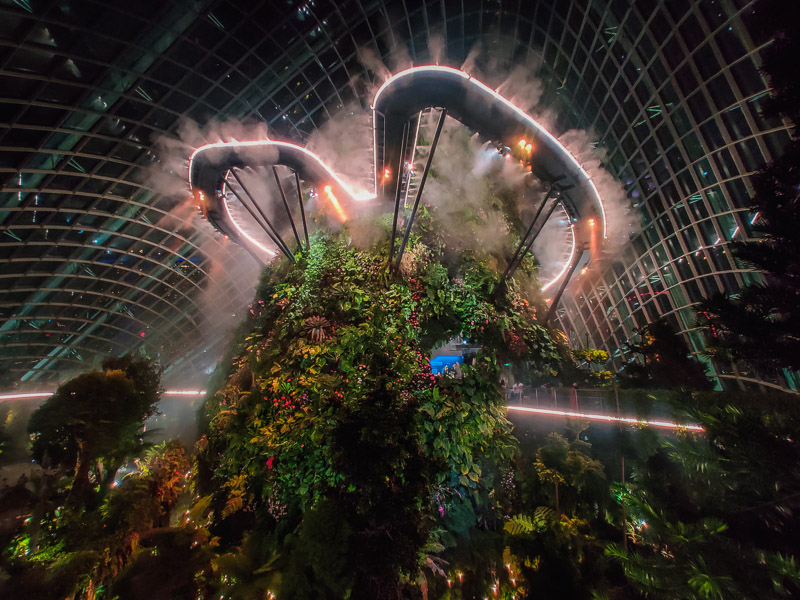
(594, 405)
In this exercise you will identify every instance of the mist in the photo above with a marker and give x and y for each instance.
(496, 63)
(479, 196)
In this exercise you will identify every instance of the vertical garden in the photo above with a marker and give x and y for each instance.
(333, 464)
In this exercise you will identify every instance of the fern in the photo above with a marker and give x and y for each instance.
(543, 518)
(519, 524)
(233, 504)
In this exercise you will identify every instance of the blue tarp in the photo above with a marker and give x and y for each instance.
(438, 363)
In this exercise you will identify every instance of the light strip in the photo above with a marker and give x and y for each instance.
(29, 395)
(23, 396)
(525, 117)
(411, 71)
(550, 284)
(605, 418)
(359, 196)
(538, 411)
(241, 230)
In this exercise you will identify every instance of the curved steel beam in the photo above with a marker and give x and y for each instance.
(401, 97)
(208, 165)
(487, 112)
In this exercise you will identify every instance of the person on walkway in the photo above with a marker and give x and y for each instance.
(457, 372)
(573, 398)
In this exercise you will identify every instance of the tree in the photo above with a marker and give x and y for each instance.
(83, 552)
(761, 325)
(94, 421)
(665, 362)
(715, 515)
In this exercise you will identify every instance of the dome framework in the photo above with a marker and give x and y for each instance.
(94, 261)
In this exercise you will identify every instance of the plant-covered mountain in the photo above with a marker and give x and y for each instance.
(332, 436)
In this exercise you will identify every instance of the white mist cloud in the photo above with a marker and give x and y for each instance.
(471, 189)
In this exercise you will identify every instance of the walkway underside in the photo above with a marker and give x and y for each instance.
(396, 107)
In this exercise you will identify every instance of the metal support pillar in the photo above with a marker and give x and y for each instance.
(510, 268)
(403, 145)
(255, 218)
(270, 229)
(302, 208)
(286, 204)
(421, 186)
(529, 245)
(575, 261)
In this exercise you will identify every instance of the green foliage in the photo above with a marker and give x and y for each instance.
(712, 516)
(331, 408)
(543, 517)
(662, 361)
(81, 550)
(96, 418)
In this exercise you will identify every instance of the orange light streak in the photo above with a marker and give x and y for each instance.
(335, 202)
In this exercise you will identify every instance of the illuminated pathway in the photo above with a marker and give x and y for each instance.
(42, 395)
(546, 412)
(214, 169)
(549, 412)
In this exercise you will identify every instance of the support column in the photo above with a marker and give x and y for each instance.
(270, 229)
(438, 133)
(574, 265)
(286, 204)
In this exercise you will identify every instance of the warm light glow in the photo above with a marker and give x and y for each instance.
(591, 222)
(529, 147)
(523, 142)
(538, 127)
(387, 173)
(335, 202)
(605, 418)
(184, 392)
